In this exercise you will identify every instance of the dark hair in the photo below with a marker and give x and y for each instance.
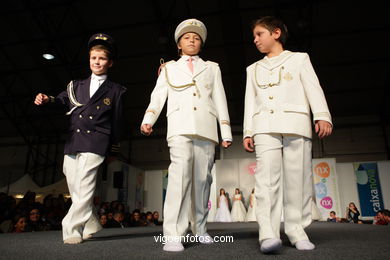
(272, 23)
(333, 212)
(386, 212)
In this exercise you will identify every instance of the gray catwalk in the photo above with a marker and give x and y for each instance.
(333, 241)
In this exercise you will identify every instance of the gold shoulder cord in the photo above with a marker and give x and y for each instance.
(269, 85)
(182, 87)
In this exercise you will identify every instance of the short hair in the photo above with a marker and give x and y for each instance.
(386, 212)
(116, 213)
(333, 212)
(103, 48)
(272, 23)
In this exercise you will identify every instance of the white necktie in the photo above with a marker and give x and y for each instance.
(95, 84)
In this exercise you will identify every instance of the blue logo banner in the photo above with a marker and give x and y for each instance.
(369, 188)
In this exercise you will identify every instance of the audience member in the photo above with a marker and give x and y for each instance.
(19, 223)
(380, 218)
(35, 223)
(332, 217)
(352, 214)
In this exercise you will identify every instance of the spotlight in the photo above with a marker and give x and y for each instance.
(48, 56)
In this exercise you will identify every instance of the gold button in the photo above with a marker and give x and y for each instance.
(88, 131)
(194, 108)
(271, 97)
(98, 107)
(194, 94)
(80, 116)
(90, 117)
(271, 111)
(78, 130)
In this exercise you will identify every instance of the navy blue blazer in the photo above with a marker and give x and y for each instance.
(95, 126)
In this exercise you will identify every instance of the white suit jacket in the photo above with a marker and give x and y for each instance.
(192, 109)
(280, 93)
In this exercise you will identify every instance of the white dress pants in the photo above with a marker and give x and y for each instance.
(189, 180)
(81, 171)
(283, 178)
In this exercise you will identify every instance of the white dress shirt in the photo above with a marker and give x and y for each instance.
(96, 82)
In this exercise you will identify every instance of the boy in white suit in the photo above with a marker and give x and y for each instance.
(281, 90)
(196, 101)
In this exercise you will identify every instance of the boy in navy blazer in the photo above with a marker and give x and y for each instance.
(95, 106)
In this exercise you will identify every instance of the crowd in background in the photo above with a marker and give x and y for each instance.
(28, 215)
(352, 215)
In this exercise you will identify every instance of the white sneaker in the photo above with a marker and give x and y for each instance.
(270, 245)
(172, 246)
(205, 239)
(304, 245)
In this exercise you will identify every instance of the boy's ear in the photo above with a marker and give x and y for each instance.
(110, 63)
(277, 33)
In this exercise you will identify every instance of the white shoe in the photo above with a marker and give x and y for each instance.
(304, 245)
(270, 245)
(73, 240)
(173, 246)
(205, 239)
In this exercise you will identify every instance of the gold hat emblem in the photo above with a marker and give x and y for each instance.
(288, 76)
(107, 101)
(101, 37)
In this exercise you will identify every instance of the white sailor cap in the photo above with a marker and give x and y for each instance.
(191, 25)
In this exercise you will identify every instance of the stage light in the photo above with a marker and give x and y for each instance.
(48, 56)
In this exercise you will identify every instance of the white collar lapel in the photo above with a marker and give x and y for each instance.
(200, 66)
(182, 65)
(285, 55)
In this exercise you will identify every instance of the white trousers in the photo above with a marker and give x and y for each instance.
(81, 171)
(283, 178)
(189, 181)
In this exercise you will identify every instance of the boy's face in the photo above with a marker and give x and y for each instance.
(99, 62)
(190, 44)
(264, 39)
(332, 215)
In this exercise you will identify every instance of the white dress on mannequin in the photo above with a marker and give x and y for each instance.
(251, 215)
(223, 213)
(238, 209)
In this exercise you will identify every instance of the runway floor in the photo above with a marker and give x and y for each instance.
(332, 240)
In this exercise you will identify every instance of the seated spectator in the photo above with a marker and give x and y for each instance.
(352, 214)
(149, 219)
(35, 223)
(103, 220)
(380, 218)
(386, 215)
(136, 220)
(332, 217)
(156, 216)
(19, 223)
(117, 220)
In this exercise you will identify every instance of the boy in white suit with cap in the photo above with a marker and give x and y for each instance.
(196, 102)
(281, 90)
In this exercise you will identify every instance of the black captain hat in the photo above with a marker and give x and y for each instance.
(103, 39)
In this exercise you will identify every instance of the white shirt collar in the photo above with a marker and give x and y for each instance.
(195, 58)
(99, 77)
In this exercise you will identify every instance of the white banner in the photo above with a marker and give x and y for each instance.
(326, 188)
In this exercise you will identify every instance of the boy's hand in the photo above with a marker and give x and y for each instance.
(323, 128)
(146, 129)
(226, 144)
(248, 144)
(41, 99)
